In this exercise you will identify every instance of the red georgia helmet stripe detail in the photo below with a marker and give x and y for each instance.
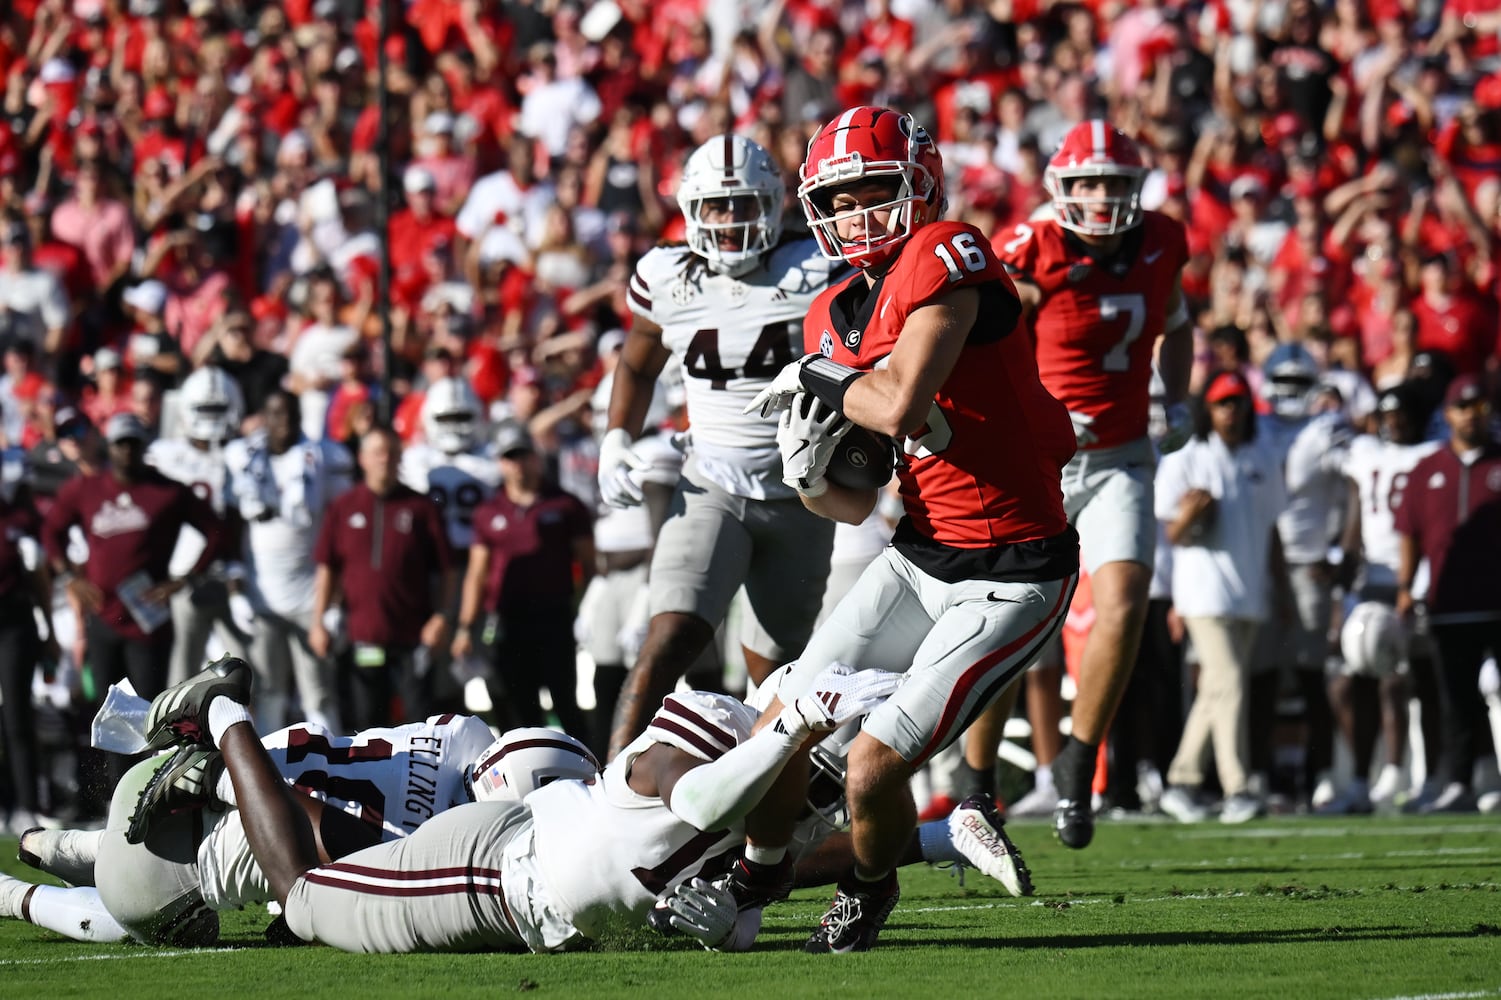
(1097, 140)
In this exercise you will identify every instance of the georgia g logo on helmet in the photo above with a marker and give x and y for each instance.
(871, 144)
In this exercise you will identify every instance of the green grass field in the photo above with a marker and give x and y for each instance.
(1286, 908)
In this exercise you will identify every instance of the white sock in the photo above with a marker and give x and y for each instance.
(1043, 780)
(756, 854)
(65, 854)
(12, 893)
(76, 913)
(223, 713)
(225, 790)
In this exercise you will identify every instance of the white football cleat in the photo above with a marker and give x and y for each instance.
(978, 832)
(1387, 787)
(1240, 809)
(1179, 803)
(1040, 801)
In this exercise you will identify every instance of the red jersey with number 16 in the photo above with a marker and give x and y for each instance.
(1098, 321)
(985, 470)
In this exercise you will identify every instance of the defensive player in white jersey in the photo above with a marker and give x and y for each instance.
(450, 464)
(281, 482)
(422, 766)
(727, 309)
(211, 406)
(1372, 691)
(161, 877)
(540, 875)
(1311, 445)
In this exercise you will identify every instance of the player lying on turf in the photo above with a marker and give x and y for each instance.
(705, 724)
(174, 853)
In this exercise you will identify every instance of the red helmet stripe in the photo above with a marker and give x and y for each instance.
(1097, 139)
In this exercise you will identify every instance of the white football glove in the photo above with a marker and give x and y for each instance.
(617, 461)
(1084, 433)
(807, 435)
(1180, 427)
(707, 911)
(778, 396)
(837, 695)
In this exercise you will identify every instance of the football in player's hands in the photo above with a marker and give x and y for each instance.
(863, 460)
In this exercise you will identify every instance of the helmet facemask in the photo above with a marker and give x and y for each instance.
(907, 208)
(1095, 215)
(731, 172)
(209, 421)
(454, 432)
(748, 239)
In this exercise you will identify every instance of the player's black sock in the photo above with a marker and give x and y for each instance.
(973, 781)
(1073, 770)
(853, 884)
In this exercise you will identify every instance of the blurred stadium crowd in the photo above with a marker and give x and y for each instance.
(193, 183)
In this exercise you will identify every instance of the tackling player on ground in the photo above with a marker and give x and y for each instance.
(728, 308)
(922, 345)
(1100, 283)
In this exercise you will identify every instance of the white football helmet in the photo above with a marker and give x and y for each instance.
(1292, 375)
(523, 760)
(452, 416)
(731, 166)
(1373, 641)
(211, 405)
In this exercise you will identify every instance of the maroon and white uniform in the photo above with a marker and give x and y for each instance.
(539, 875)
(733, 522)
(130, 528)
(394, 779)
(1380, 470)
(981, 569)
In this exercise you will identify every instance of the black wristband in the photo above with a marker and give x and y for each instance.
(828, 381)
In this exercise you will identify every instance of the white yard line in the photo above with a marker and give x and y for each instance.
(1319, 830)
(143, 953)
(1449, 996)
(1337, 856)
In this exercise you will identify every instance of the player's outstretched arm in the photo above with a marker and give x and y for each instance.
(895, 400)
(711, 795)
(642, 359)
(280, 833)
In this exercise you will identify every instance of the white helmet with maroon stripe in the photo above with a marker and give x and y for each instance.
(744, 182)
(1095, 149)
(523, 760)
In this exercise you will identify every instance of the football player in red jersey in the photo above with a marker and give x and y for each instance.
(1100, 284)
(921, 344)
